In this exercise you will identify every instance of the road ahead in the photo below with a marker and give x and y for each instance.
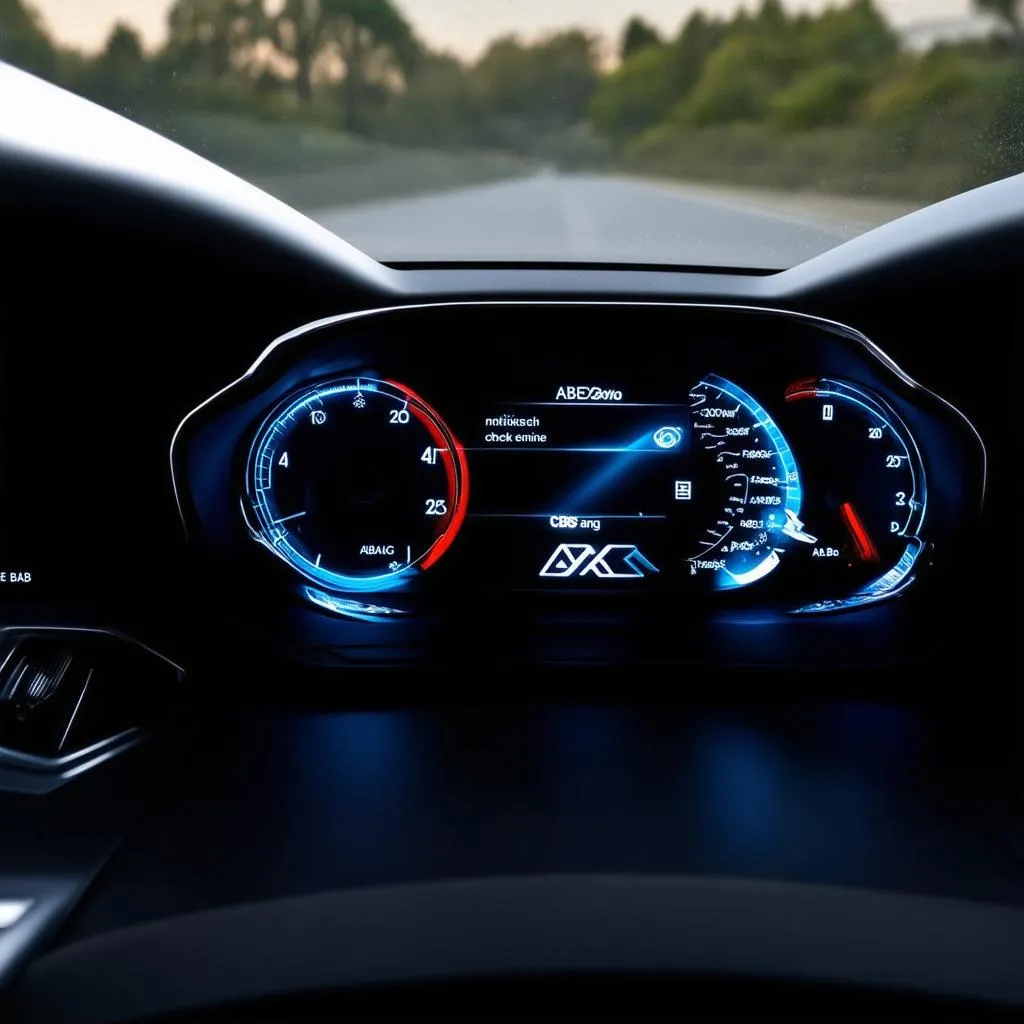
(555, 217)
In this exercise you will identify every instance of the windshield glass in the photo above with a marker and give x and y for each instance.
(683, 132)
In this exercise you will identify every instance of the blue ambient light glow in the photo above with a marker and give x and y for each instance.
(613, 470)
(356, 584)
(308, 462)
(901, 575)
(349, 608)
(791, 491)
(889, 584)
(919, 497)
(794, 492)
(262, 459)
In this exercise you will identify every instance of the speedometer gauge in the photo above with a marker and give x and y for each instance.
(751, 486)
(357, 484)
(867, 503)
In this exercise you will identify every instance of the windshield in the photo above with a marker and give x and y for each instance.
(681, 132)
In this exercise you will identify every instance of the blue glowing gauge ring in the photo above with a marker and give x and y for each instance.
(760, 492)
(357, 484)
(902, 455)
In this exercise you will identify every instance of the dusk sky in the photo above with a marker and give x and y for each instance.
(463, 26)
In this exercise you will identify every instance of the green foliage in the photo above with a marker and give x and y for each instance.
(699, 37)
(212, 38)
(827, 95)
(857, 34)
(24, 41)
(737, 81)
(120, 74)
(846, 160)
(770, 20)
(538, 87)
(798, 73)
(435, 109)
(636, 36)
(370, 40)
(123, 53)
(644, 88)
(921, 90)
(637, 94)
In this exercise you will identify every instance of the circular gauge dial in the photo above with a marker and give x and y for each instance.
(357, 483)
(750, 483)
(868, 501)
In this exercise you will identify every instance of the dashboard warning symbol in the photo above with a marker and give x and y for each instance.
(613, 561)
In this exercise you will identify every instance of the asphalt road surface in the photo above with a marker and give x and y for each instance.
(555, 217)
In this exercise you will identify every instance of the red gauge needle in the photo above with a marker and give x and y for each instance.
(866, 550)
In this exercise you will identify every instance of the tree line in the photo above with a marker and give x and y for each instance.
(762, 92)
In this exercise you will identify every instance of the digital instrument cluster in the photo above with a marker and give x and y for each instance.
(360, 486)
(386, 463)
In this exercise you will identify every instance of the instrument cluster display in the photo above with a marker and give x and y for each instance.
(751, 459)
(360, 486)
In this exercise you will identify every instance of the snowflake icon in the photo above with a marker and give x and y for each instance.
(359, 402)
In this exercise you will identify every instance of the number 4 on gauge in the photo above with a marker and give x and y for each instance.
(429, 455)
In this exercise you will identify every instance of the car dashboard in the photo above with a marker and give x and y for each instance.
(380, 486)
(366, 628)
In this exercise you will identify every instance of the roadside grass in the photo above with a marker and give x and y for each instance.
(313, 168)
(844, 161)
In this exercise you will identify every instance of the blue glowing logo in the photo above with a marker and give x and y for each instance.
(668, 437)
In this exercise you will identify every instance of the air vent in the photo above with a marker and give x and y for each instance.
(29, 682)
(68, 698)
(43, 681)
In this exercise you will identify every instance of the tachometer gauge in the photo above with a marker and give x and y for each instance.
(357, 484)
(750, 485)
(866, 497)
